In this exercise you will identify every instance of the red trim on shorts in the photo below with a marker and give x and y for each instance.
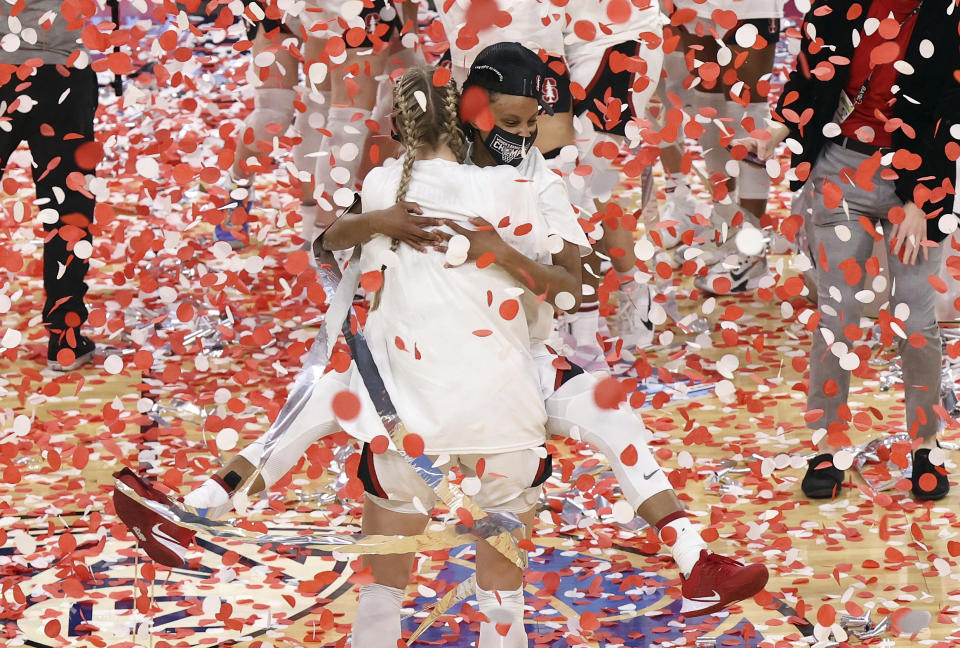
(223, 484)
(372, 473)
(676, 515)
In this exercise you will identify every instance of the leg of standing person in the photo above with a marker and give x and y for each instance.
(273, 113)
(913, 300)
(58, 177)
(842, 247)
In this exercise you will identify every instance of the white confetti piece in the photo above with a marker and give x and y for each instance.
(727, 365)
(11, 339)
(470, 486)
(708, 305)
(746, 35)
(210, 605)
(227, 439)
(937, 456)
(340, 175)
(644, 249)
(842, 232)
(48, 216)
(148, 167)
(22, 424)
(457, 249)
(254, 264)
(772, 167)
(831, 130)
(684, 459)
(343, 197)
(849, 361)
(622, 512)
(221, 396)
(842, 460)
(113, 364)
(726, 392)
(749, 241)
(666, 338)
(25, 543)
(565, 301)
(348, 153)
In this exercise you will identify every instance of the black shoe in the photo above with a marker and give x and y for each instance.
(821, 483)
(82, 353)
(921, 467)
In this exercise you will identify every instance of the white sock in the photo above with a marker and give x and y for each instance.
(503, 608)
(341, 155)
(210, 495)
(687, 544)
(377, 623)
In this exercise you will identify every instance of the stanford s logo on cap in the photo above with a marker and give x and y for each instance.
(549, 92)
(372, 20)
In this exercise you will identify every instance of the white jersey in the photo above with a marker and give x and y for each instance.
(745, 9)
(644, 17)
(452, 344)
(536, 24)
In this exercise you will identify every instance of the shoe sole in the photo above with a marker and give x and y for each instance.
(79, 362)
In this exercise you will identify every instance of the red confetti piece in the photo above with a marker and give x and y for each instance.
(509, 309)
(413, 445)
(346, 405)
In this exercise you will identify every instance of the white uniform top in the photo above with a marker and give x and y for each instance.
(457, 365)
(645, 16)
(554, 207)
(745, 9)
(536, 24)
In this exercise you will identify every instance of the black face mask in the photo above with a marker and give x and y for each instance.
(507, 148)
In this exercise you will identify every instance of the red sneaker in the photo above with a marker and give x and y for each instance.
(717, 581)
(163, 540)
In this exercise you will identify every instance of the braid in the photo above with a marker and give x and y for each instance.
(412, 131)
(431, 122)
(455, 135)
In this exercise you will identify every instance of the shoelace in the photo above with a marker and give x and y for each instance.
(717, 561)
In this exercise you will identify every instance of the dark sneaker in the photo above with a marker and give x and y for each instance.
(924, 487)
(718, 581)
(163, 540)
(64, 356)
(823, 479)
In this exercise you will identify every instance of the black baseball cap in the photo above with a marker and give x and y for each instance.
(509, 68)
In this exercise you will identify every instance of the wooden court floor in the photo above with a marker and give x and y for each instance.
(72, 576)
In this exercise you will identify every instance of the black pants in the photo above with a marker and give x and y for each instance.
(54, 132)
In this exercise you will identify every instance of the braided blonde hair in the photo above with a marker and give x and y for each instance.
(426, 121)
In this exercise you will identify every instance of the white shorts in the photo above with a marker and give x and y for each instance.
(511, 481)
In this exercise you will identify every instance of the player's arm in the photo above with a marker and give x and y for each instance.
(403, 221)
(551, 280)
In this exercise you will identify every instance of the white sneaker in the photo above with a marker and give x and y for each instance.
(679, 207)
(737, 273)
(633, 316)
(708, 253)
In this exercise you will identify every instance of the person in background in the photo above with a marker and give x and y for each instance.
(49, 97)
(870, 132)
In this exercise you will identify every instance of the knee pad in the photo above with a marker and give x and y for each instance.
(753, 181)
(610, 431)
(715, 156)
(272, 113)
(308, 125)
(342, 153)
